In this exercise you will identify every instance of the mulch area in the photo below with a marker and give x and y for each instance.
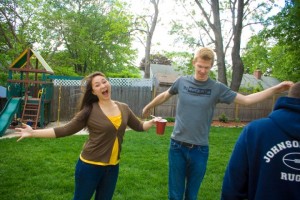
(229, 124)
(221, 124)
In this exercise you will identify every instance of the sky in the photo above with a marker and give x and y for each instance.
(161, 39)
(168, 10)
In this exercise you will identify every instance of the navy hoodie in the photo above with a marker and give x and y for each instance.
(265, 163)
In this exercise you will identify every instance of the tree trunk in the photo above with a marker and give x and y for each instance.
(216, 27)
(237, 63)
(219, 42)
(149, 39)
(147, 56)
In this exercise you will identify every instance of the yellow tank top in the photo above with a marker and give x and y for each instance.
(116, 120)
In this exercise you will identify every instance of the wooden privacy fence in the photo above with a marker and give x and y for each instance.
(236, 112)
(65, 102)
(139, 92)
(67, 95)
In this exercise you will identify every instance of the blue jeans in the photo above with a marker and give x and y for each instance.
(187, 167)
(94, 178)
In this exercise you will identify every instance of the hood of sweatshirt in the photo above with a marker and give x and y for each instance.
(286, 115)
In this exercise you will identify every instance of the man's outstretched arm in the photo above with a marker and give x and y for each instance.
(260, 96)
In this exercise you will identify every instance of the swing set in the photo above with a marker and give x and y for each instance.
(28, 80)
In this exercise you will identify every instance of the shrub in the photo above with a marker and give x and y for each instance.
(170, 119)
(223, 118)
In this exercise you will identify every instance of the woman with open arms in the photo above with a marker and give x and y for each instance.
(106, 120)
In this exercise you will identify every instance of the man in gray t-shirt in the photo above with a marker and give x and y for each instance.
(197, 98)
(195, 107)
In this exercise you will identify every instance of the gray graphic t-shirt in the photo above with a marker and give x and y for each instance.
(195, 107)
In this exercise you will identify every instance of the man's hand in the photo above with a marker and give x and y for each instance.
(283, 86)
(146, 112)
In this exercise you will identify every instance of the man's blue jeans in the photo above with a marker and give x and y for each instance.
(187, 167)
(94, 178)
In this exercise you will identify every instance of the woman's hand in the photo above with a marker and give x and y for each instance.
(155, 119)
(148, 124)
(24, 132)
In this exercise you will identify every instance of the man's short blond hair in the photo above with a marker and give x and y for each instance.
(204, 53)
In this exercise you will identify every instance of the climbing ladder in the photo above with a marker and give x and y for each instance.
(31, 111)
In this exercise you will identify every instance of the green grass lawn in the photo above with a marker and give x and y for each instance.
(43, 169)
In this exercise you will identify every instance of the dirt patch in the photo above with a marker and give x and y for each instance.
(221, 124)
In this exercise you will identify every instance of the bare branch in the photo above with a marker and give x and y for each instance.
(11, 27)
(204, 14)
(252, 23)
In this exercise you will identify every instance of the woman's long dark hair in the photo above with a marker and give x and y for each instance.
(88, 98)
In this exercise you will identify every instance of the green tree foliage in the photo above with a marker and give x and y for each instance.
(156, 59)
(16, 31)
(276, 48)
(15, 17)
(182, 61)
(256, 55)
(74, 37)
(94, 34)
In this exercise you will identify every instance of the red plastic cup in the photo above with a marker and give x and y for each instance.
(160, 126)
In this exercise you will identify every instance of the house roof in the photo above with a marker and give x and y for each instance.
(20, 62)
(166, 74)
(250, 80)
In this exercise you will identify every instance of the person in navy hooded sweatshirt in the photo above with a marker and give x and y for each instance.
(265, 163)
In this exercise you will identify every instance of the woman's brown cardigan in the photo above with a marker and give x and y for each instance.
(102, 133)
